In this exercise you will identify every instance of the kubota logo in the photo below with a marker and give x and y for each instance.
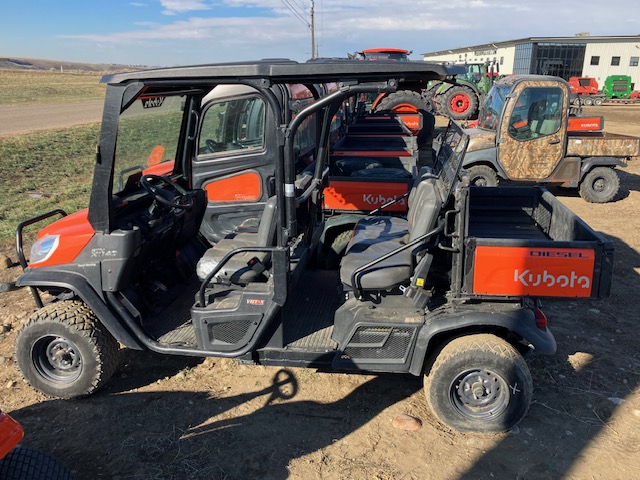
(379, 199)
(528, 278)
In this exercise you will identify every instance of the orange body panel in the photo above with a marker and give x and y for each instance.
(585, 124)
(364, 196)
(75, 232)
(243, 187)
(538, 272)
(164, 168)
(10, 434)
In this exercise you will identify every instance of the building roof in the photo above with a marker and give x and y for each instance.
(508, 43)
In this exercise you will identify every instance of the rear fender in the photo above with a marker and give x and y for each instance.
(520, 322)
(78, 284)
(591, 162)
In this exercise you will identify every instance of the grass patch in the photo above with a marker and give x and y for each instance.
(43, 171)
(25, 87)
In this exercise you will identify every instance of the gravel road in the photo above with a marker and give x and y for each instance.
(18, 119)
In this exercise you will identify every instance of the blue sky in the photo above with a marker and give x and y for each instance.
(174, 32)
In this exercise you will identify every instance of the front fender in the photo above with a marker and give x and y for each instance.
(520, 321)
(82, 288)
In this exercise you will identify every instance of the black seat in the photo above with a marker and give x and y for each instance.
(237, 270)
(376, 236)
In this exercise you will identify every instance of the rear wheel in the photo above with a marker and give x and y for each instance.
(404, 100)
(460, 103)
(482, 176)
(479, 383)
(597, 102)
(63, 351)
(600, 185)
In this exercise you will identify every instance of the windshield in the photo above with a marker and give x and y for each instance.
(491, 109)
(148, 134)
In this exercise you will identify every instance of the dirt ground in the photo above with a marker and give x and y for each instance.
(174, 418)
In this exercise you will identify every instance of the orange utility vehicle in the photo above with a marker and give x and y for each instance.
(155, 264)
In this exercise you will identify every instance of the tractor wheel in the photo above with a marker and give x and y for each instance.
(482, 176)
(588, 101)
(479, 383)
(460, 103)
(409, 100)
(28, 464)
(600, 185)
(64, 352)
(597, 102)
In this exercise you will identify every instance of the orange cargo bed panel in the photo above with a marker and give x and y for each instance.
(530, 271)
(585, 124)
(364, 196)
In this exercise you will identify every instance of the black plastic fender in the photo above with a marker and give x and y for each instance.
(83, 289)
(591, 162)
(520, 321)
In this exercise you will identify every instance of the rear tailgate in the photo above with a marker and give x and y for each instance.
(522, 241)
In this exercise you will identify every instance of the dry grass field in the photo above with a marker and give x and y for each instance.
(35, 86)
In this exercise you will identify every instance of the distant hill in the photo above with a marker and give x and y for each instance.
(13, 63)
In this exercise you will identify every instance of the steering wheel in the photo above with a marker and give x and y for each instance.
(175, 196)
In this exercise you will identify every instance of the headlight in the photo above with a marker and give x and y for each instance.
(43, 248)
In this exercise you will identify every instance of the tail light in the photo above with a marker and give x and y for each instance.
(541, 319)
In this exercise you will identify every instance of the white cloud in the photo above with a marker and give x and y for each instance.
(174, 7)
(344, 26)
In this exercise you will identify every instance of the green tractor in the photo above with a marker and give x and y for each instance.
(460, 98)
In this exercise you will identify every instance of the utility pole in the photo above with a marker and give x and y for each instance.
(313, 31)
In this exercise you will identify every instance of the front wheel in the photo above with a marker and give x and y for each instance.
(479, 383)
(460, 103)
(600, 185)
(64, 352)
(482, 176)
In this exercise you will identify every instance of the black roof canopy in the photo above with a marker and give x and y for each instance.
(289, 71)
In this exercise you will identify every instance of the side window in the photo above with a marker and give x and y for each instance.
(233, 125)
(537, 113)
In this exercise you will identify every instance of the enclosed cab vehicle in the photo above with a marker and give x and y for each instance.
(525, 134)
(204, 237)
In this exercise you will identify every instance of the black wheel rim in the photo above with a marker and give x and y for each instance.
(57, 359)
(479, 182)
(479, 394)
(599, 185)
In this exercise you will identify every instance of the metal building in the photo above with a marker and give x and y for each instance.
(582, 56)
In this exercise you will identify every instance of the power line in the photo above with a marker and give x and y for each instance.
(297, 14)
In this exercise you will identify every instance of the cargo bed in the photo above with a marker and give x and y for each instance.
(522, 241)
(602, 144)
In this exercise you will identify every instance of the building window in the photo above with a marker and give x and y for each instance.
(633, 62)
(501, 60)
(615, 61)
(595, 60)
